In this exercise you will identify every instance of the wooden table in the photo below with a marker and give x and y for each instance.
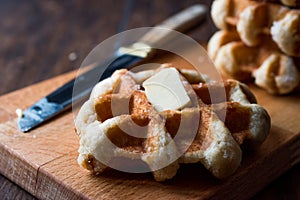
(42, 39)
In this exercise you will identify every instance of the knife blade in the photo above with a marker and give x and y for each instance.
(61, 99)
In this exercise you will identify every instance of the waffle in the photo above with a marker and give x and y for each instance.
(253, 20)
(163, 140)
(290, 3)
(271, 69)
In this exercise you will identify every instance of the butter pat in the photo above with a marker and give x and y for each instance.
(165, 90)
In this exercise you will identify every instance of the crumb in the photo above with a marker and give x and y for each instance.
(72, 56)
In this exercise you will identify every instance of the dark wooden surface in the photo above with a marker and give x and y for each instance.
(37, 38)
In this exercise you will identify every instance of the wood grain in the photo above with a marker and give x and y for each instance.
(16, 192)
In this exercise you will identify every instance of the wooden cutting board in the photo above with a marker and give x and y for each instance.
(44, 161)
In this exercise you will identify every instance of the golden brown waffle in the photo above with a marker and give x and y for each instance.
(254, 20)
(271, 69)
(118, 106)
(290, 3)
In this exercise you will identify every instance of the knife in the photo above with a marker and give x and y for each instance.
(62, 98)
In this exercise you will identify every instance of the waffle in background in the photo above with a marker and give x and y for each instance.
(264, 43)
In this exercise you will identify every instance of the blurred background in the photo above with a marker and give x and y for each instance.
(42, 39)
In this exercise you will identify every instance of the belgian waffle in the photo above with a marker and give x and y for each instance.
(271, 69)
(118, 105)
(253, 20)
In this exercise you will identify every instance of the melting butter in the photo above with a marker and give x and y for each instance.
(166, 91)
